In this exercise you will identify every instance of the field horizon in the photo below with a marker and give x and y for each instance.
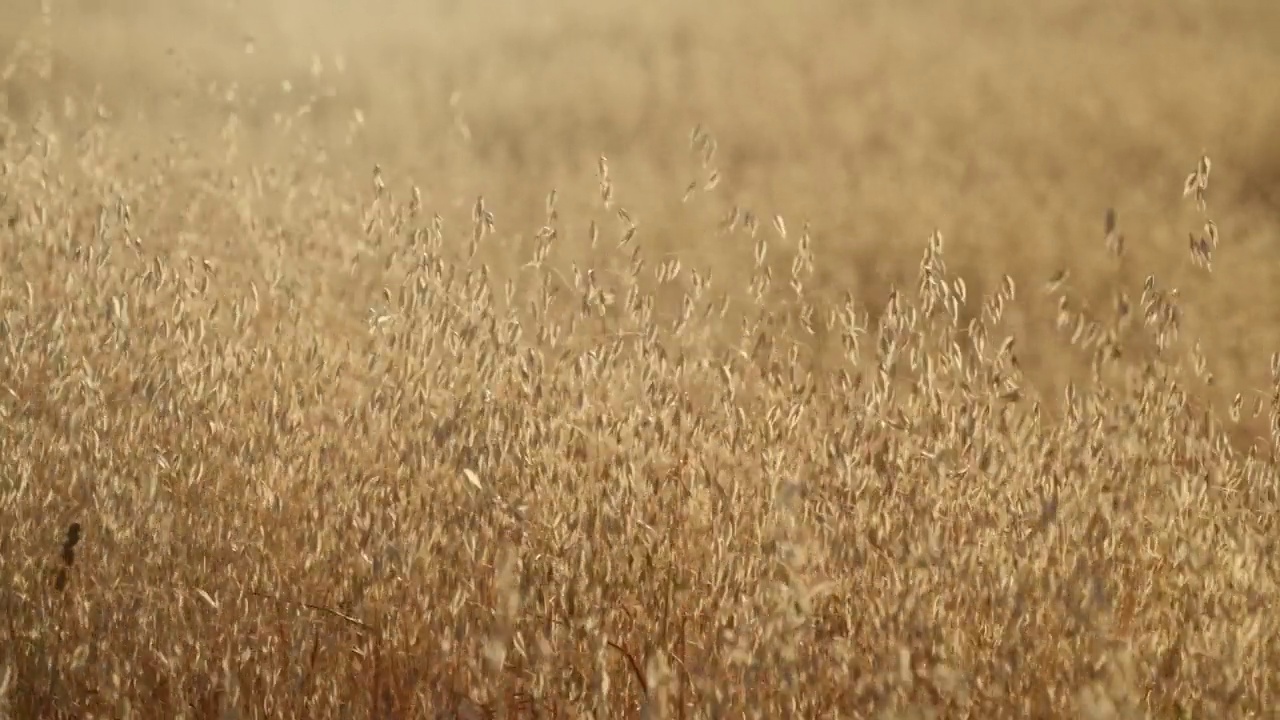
(664, 360)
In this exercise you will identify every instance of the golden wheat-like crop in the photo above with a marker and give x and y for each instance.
(293, 426)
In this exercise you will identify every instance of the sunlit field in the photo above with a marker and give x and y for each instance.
(496, 359)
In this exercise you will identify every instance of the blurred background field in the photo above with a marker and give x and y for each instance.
(1010, 127)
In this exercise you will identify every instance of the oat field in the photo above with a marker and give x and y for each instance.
(733, 359)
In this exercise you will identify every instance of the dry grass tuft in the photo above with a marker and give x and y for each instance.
(328, 391)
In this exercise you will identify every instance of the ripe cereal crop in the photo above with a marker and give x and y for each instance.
(832, 359)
